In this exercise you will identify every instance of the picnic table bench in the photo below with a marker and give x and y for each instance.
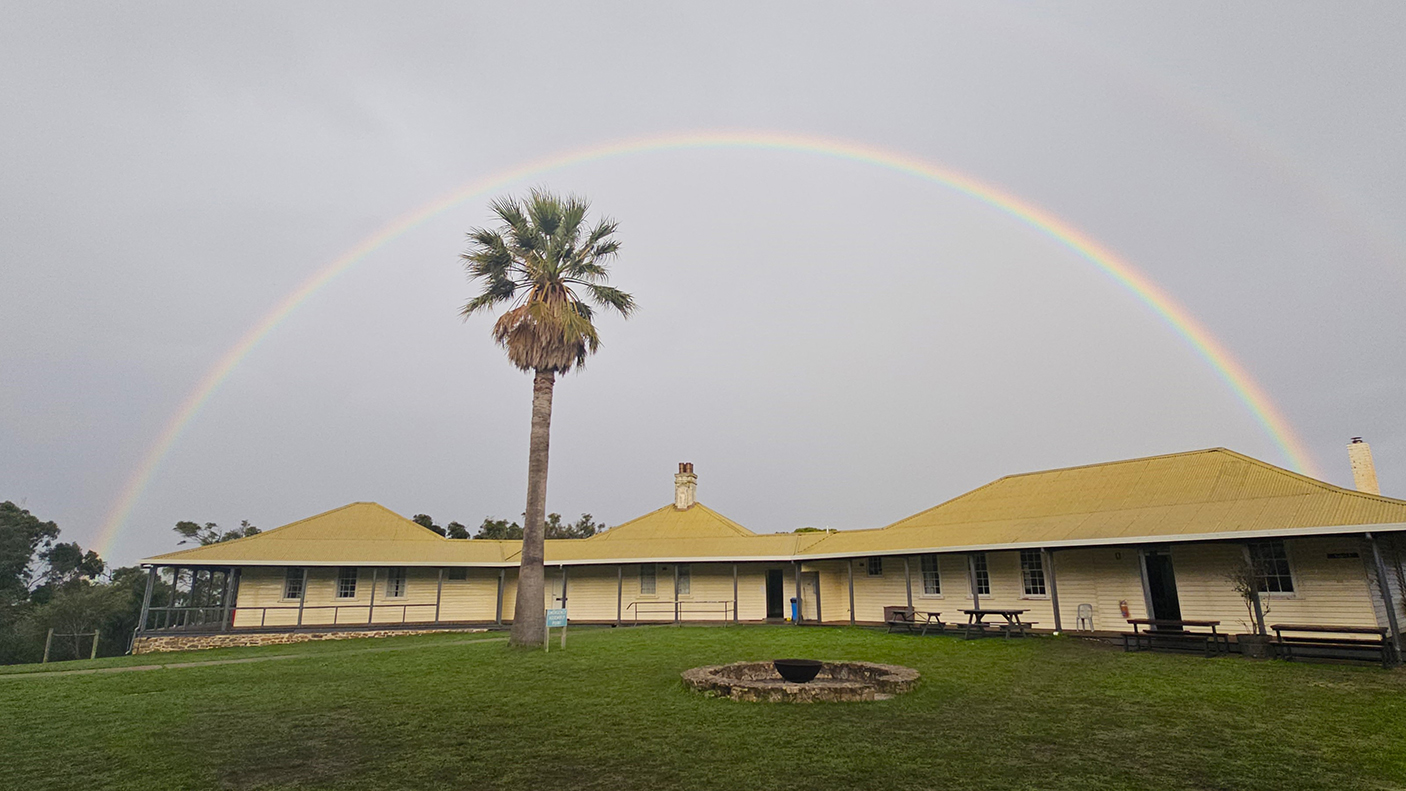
(1172, 634)
(1012, 626)
(1339, 646)
(909, 619)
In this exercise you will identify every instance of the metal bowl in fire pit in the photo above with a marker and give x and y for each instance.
(797, 671)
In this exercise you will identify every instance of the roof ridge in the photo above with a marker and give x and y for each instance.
(1310, 479)
(1155, 457)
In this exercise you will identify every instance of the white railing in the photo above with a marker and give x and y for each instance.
(722, 607)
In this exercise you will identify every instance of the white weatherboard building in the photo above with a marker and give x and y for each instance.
(1152, 537)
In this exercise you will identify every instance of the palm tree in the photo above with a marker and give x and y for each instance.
(537, 260)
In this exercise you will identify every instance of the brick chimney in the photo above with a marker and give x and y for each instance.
(1364, 473)
(685, 486)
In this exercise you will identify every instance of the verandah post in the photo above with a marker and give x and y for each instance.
(1384, 587)
(849, 566)
(225, 599)
(908, 581)
(1147, 586)
(676, 593)
(502, 575)
(619, 593)
(371, 608)
(797, 620)
(303, 597)
(146, 598)
(438, 594)
(971, 580)
(734, 593)
(1054, 592)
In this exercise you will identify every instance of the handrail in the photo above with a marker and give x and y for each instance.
(679, 605)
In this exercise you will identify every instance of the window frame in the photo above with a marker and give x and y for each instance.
(982, 575)
(652, 576)
(289, 578)
(684, 586)
(874, 562)
(1027, 572)
(345, 574)
(1261, 578)
(936, 572)
(400, 576)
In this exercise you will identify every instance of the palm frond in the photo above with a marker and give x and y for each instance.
(611, 297)
(536, 258)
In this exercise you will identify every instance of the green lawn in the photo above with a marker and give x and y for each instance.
(610, 712)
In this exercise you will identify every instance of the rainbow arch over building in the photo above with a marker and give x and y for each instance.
(1258, 402)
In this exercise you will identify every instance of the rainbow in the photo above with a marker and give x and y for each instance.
(1232, 372)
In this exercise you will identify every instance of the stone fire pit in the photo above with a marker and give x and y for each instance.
(837, 681)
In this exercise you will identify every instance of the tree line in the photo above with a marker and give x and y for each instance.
(503, 530)
(49, 584)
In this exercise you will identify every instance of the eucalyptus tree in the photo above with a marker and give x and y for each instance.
(548, 265)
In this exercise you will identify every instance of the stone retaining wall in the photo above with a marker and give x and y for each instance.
(196, 642)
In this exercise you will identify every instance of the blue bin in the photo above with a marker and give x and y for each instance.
(795, 610)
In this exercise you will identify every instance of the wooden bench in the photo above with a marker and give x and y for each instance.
(908, 619)
(900, 618)
(1013, 628)
(1170, 634)
(1339, 646)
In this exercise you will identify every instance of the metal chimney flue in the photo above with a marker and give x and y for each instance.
(1364, 472)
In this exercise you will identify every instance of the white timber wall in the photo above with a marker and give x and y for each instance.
(473, 599)
(1105, 578)
(1334, 584)
(1331, 591)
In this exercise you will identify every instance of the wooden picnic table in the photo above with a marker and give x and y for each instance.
(919, 621)
(1013, 624)
(1172, 633)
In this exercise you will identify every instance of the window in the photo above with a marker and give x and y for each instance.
(932, 581)
(983, 579)
(1271, 563)
(346, 583)
(293, 584)
(647, 579)
(685, 585)
(459, 573)
(395, 583)
(1032, 572)
(876, 567)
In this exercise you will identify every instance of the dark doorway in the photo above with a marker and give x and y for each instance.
(775, 594)
(1162, 586)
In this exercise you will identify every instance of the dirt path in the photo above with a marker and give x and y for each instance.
(247, 660)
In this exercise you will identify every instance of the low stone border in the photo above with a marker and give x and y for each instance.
(836, 682)
(197, 642)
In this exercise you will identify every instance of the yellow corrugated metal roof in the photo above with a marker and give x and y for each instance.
(355, 534)
(671, 533)
(1215, 491)
(696, 521)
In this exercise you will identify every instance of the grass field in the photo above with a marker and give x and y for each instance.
(609, 712)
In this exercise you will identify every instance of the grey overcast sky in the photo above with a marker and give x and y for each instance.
(831, 343)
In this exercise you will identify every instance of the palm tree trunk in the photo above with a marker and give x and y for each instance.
(528, 616)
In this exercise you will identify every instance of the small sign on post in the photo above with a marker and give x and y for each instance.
(556, 618)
